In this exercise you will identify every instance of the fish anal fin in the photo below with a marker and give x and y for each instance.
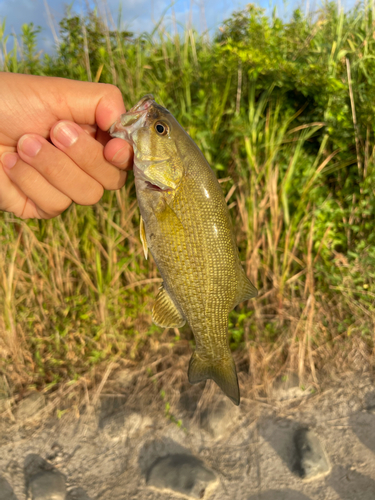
(222, 371)
(142, 233)
(165, 313)
(245, 291)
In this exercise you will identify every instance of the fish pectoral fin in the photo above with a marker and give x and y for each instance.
(170, 220)
(222, 371)
(245, 291)
(142, 233)
(165, 313)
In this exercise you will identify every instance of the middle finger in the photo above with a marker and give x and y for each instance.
(59, 170)
(88, 154)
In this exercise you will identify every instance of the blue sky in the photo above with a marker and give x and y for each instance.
(137, 15)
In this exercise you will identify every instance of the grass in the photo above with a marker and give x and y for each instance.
(298, 172)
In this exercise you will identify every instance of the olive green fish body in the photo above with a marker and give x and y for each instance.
(188, 231)
(190, 247)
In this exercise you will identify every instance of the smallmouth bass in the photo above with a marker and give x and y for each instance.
(185, 224)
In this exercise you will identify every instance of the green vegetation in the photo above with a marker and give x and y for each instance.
(284, 113)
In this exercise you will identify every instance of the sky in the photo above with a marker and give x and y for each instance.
(137, 15)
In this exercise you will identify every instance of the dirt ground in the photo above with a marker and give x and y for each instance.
(121, 448)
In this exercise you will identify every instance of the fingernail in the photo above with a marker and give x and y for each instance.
(65, 133)
(122, 156)
(9, 160)
(29, 145)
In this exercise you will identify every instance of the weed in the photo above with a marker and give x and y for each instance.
(283, 111)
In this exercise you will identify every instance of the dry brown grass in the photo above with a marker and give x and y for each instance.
(76, 294)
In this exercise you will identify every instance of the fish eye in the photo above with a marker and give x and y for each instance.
(161, 128)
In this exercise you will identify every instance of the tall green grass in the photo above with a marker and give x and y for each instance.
(292, 141)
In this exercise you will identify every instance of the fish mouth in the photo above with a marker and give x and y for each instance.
(134, 119)
(145, 103)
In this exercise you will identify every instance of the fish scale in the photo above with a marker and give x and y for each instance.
(187, 229)
(215, 286)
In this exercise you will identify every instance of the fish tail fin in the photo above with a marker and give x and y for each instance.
(222, 372)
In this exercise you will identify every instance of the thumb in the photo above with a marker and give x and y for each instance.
(91, 103)
(49, 99)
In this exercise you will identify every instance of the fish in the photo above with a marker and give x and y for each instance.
(185, 225)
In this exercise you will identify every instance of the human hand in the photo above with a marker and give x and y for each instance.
(39, 179)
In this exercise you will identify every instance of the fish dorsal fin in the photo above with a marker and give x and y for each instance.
(222, 371)
(245, 291)
(142, 233)
(165, 313)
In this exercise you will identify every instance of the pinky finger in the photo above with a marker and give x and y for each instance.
(31, 191)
